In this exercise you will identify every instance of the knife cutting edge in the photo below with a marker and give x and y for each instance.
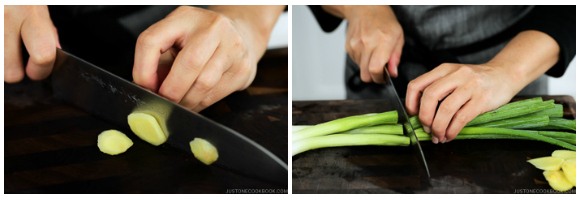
(393, 97)
(112, 98)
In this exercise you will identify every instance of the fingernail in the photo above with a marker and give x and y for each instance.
(444, 140)
(427, 129)
(434, 140)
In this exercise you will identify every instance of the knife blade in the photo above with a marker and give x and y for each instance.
(113, 98)
(393, 97)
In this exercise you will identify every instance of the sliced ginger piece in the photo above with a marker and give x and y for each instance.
(547, 163)
(564, 154)
(557, 180)
(569, 170)
(203, 151)
(113, 142)
(147, 128)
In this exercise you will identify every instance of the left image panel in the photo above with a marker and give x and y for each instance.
(146, 99)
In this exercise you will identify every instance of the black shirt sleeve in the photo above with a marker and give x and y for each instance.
(327, 22)
(559, 22)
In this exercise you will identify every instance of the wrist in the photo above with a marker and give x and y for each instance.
(508, 72)
(526, 57)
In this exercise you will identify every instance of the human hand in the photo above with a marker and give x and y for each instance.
(374, 39)
(451, 95)
(31, 25)
(196, 56)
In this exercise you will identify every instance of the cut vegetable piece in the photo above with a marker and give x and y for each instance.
(557, 180)
(564, 154)
(340, 140)
(415, 123)
(296, 128)
(390, 129)
(113, 142)
(203, 151)
(147, 128)
(569, 170)
(345, 124)
(547, 163)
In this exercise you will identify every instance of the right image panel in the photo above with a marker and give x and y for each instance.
(433, 99)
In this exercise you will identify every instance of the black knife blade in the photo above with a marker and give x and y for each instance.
(393, 97)
(112, 98)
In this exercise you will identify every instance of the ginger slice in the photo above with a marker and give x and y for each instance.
(203, 151)
(557, 180)
(547, 163)
(113, 142)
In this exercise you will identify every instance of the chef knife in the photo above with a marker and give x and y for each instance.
(393, 98)
(112, 98)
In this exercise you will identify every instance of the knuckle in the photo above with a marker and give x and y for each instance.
(43, 56)
(376, 69)
(445, 109)
(205, 83)
(413, 86)
(222, 22)
(367, 40)
(462, 118)
(190, 64)
(438, 130)
(355, 43)
(146, 39)
(170, 93)
(429, 94)
(466, 71)
(425, 118)
(208, 101)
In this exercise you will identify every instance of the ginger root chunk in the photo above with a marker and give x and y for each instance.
(146, 127)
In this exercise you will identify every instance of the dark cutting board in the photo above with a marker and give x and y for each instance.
(466, 166)
(51, 147)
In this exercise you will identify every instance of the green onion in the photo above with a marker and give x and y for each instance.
(522, 122)
(562, 124)
(340, 140)
(513, 110)
(423, 136)
(389, 129)
(521, 103)
(345, 124)
(514, 132)
(505, 122)
(556, 112)
(415, 123)
(562, 136)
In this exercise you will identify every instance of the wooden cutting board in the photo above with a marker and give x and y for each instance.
(51, 147)
(474, 166)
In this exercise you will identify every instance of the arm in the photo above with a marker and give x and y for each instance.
(559, 22)
(464, 91)
(197, 57)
